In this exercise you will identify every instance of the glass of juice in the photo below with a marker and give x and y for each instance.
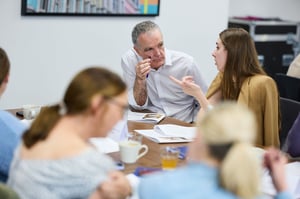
(169, 157)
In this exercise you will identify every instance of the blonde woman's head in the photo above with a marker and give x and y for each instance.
(228, 123)
(228, 131)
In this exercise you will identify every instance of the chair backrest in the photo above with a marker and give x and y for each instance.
(7, 192)
(292, 142)
(289, 87)
(289, 111)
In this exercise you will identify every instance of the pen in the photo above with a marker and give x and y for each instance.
(148, 73)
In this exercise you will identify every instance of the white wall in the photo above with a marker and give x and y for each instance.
(45, 52)
(284, 9)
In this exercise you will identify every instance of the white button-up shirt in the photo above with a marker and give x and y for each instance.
(164, 95)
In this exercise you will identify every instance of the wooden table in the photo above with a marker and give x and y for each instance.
(152, 158)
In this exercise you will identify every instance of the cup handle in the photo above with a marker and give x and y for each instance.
(32, 113)
(145, 147)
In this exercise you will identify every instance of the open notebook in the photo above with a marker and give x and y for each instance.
(145, 117)
(169, 133)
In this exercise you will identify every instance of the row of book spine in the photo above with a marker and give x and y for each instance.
(77, 6)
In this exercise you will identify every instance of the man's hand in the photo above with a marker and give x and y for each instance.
(142, 69)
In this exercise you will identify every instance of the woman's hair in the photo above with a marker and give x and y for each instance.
(4, 65)
(229, 130)
(86, 84)
(242, 61)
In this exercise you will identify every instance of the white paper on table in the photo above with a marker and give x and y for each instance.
(105, 145)
(111, 142)
(169, 133)
(292, 177)
(176, 130)
(119, 131)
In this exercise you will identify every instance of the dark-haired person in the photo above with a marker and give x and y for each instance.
(242, 79)
(56, 160)
(11, 128)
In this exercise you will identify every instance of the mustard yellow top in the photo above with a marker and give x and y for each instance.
(260, 94)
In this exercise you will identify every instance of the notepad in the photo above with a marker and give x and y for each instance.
(105, 145)
(169, 133)
(145, 117)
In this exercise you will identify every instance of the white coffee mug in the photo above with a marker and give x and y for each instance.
(30, 111)
(129, 151)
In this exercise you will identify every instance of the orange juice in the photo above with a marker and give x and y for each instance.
(168, 163)
(169, 158)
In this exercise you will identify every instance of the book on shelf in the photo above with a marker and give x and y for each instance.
(145, 117)
(169, 133)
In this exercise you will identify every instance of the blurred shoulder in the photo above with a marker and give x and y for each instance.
(7, 117)
(10, 125)
(130, 53)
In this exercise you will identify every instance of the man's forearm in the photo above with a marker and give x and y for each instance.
(140, 91)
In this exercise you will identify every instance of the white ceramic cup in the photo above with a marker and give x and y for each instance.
(130, 150)
(30, 111)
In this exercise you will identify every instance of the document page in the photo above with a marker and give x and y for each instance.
(105, 145)
(169, 133)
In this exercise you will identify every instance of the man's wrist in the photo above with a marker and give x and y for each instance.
(140, 80)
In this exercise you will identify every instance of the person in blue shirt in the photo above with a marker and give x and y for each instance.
(11, 128)
(222, 162)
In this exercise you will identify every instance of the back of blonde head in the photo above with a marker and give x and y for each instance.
(229, 130)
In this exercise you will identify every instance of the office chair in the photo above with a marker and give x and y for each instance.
(289, 87)
(291, 145)
(289, 111)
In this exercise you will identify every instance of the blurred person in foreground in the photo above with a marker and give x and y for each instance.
(222, 161)
(242, 79)
(294, 68)
(56, 160)
(11, 128)
(146, 69)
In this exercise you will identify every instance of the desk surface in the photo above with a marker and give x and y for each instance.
(152, 158)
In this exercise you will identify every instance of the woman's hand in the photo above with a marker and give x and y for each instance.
(188, 85)
(116, 186)
(275, 161)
